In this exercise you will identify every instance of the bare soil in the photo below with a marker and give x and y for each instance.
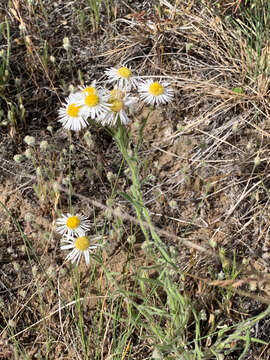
(198, 174)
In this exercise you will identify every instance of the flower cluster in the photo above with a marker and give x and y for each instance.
(105, 106)
(74, 228)
(108, 107)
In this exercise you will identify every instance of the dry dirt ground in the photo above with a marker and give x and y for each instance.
(204, 168)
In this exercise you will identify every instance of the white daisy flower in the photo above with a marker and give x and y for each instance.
(71, 114)
(155, 92)
(122, 76)
(79, 246)
(89, 90)
(94, 102)
(69, 225)
(119, 102)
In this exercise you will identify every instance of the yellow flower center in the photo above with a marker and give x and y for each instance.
(73, 110)
(117, 105)
(82, 243)
(73, 222)
(156, 89)
(124, 72)
(89, 90)
(91, 100)
(116, 94)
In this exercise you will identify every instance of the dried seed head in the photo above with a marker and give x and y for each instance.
(253, 286)
(88, 139)
(257, 161)
(18, 158)
(66, 43)
(50, 129)
(44, 145)
(38, 171)
(235, 127)
(30, 140)
(110, 176)
(29, 217)
(213, 243)
(28, 153)
(173, 204)
(249, 146)
(71, 88)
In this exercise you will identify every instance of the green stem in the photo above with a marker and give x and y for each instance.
(121, 139)
(69, 176)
